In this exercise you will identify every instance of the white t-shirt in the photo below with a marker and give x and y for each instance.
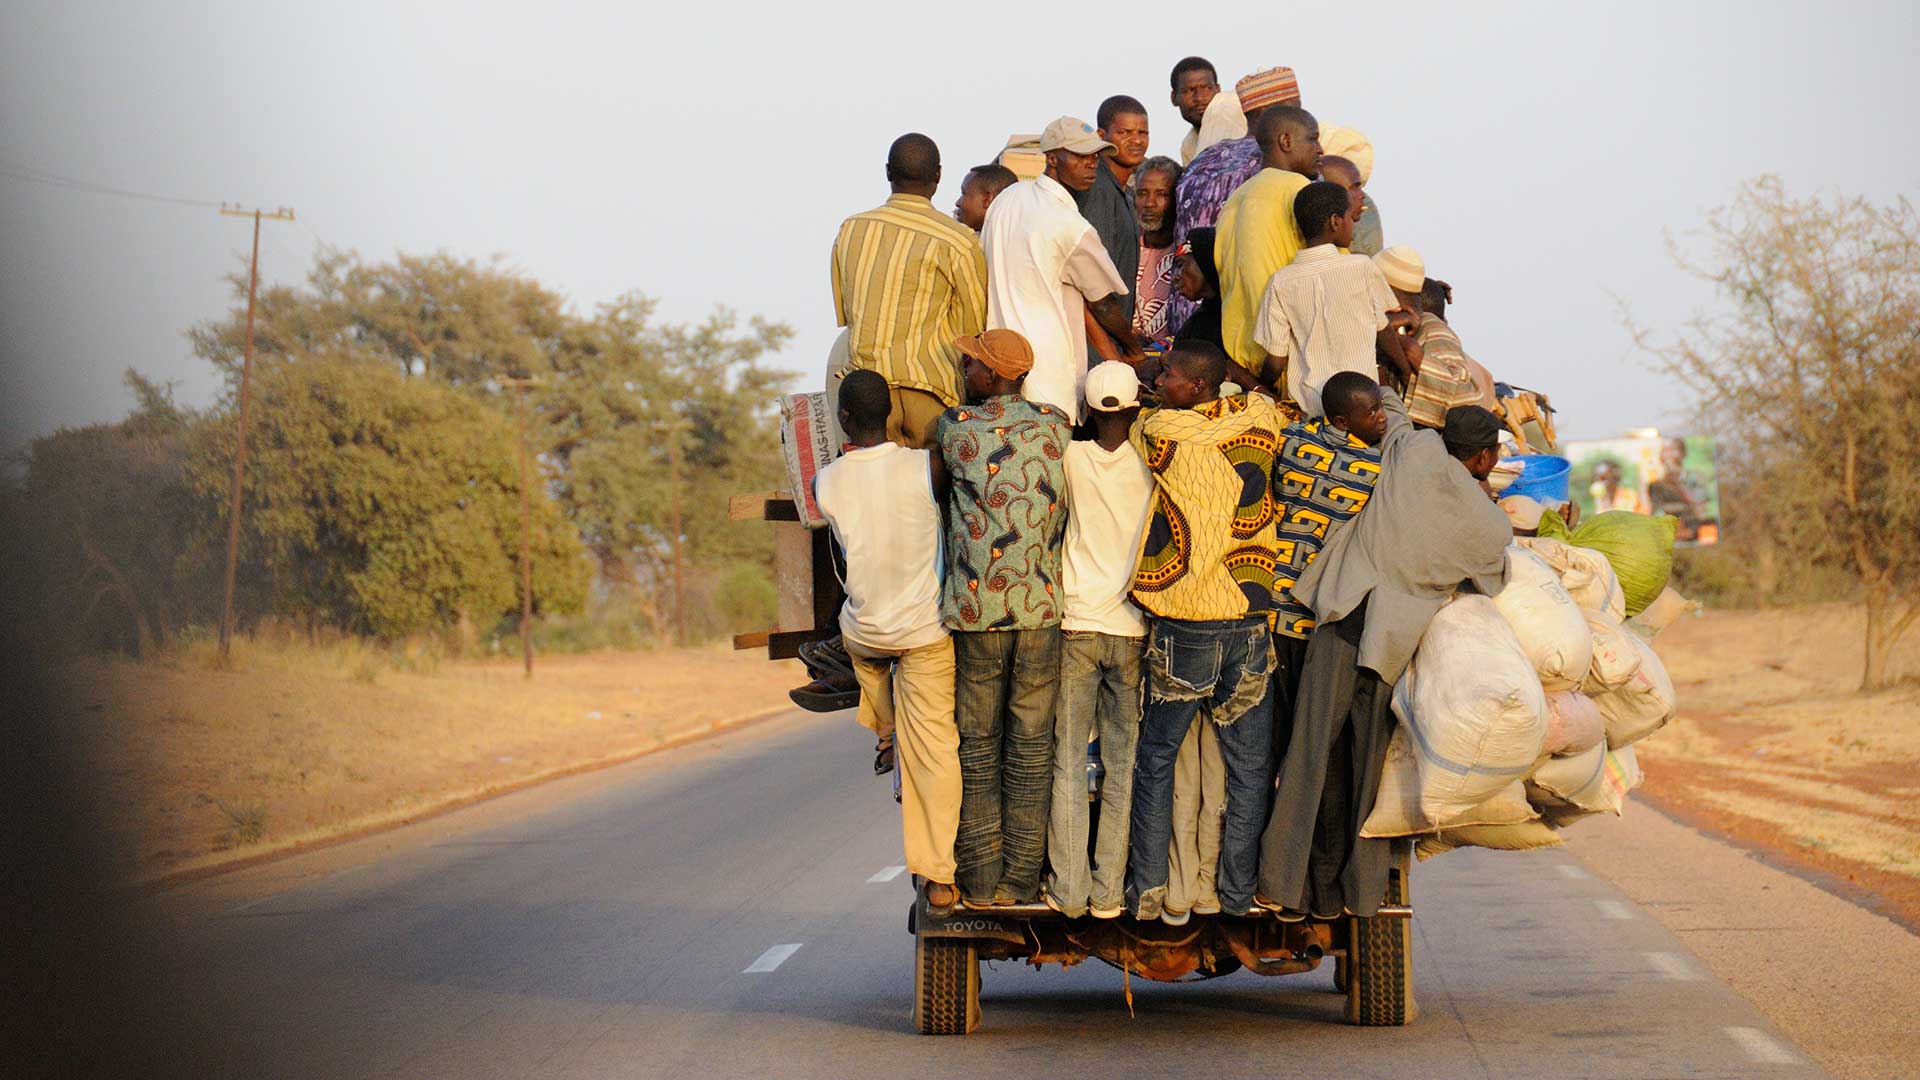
(879, 502)
(1321, 311)
(1044, 262)
(1109, 499)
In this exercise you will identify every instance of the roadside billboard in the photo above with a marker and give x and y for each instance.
(1649, 474)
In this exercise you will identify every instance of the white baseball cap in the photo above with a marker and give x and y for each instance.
(1074, 134)
(1112, 386)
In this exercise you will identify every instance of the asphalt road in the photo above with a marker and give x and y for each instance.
(735, 908)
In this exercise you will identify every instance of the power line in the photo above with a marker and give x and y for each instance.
(32, 175)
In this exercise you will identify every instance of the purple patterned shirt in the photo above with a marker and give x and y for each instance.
(1204, 188)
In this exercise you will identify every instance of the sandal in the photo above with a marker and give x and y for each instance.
(822, 695)
(883, 756)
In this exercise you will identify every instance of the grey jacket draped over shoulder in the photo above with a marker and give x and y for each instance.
(1427, 528)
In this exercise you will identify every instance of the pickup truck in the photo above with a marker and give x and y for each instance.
(1373, 957)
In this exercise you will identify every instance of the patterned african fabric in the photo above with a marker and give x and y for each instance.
(907, 280)
(1257, 237)
(1007, 518)
(1321, 478)
(1208, 552)
(1444, 380)
(1153, 293)
(1212, 176)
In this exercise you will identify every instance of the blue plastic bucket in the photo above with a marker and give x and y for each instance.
(1542, 477)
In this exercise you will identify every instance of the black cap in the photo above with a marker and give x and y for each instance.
(1471, 427)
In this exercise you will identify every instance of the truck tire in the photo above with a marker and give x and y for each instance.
(1380, 960)
(946, 986)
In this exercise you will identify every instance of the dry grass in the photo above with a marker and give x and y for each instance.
(1775, 744)
(197, 762)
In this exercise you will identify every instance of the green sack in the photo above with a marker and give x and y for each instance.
(1639, 547)
(1553, 527)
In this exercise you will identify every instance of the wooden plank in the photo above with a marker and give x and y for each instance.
(755, 640)
(751, 506)
(793, 576)
(785, 645)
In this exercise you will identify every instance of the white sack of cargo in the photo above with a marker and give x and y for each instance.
(1525, 836)
(1574, 723)
(1548, 624)
(1585, 573)
(1616, 654)
(1666, 607)
(1567, 789)
(1396, 809)
(1473, 707)
(1642, 706)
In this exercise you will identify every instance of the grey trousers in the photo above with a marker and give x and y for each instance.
(1312, 857)
(1003, 696)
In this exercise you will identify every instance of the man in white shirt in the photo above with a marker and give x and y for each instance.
(1322, 311)
(878, 498)
(1109, 499)
(1048, 273)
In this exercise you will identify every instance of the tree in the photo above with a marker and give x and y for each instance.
(1811, 369)
(618, 393)
(383, 504)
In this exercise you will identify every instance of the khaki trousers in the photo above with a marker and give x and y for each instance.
(1199, 816)
(911, 421)
(912, 700)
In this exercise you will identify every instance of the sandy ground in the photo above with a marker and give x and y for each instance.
(196, 766)
(1776, 749)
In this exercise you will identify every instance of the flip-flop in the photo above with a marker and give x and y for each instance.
(883, 762)
(817, 697)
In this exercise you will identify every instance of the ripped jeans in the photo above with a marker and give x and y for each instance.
(1221, 670)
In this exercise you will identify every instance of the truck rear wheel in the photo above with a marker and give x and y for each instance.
(946, 986)
(1380, 959)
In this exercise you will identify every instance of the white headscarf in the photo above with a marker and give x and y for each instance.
(1223, 120)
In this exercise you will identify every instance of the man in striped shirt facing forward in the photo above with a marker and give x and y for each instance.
(907, 281)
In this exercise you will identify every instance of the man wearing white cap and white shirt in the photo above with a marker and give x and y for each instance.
(1109, 498)
(1048, 272)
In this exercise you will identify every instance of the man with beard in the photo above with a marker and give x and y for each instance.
(1153, 289)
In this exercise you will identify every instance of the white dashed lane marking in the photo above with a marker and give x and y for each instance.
(1760, 1046)
(888, 874)
(1568, 870)
(1672, 965)
(771, 959)
(1613, 909)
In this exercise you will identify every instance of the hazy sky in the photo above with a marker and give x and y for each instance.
(704, 153)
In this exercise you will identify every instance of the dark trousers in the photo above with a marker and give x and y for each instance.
(1004, 687)
(1220, 671)
(1312, 857)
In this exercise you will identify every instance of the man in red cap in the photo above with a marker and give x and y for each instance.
(1002, 460)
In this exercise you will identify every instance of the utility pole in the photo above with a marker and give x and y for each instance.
(526, 526)
(240, 447)
(679, 572)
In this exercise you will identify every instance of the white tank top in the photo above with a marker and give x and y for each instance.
(879, 502)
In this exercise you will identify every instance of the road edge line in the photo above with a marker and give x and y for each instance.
(374, 825)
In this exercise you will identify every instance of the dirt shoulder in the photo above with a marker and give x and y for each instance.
(1775, 749)
(197, 766)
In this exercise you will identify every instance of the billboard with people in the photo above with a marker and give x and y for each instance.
(1650, 474)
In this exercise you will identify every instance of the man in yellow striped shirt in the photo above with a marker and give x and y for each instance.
(907, 281)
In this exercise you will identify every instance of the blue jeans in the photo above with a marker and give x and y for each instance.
(1099, 694)
(1221, 670)
(1003, 705)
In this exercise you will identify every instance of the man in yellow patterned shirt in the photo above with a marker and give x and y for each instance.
(1206, 573)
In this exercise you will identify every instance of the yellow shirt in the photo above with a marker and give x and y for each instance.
(1257, 235)
(907, 280)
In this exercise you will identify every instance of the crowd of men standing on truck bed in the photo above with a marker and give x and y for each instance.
(1174, 453)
